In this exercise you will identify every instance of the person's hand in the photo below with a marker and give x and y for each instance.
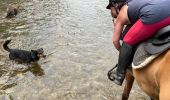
(116, 43)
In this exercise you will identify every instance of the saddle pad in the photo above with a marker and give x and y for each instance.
(142, 58)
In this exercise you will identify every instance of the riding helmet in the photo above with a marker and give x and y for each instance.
(112, 3)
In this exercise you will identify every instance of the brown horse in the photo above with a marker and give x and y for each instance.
(154, 79)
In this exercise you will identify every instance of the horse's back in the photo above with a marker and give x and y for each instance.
(155, 77)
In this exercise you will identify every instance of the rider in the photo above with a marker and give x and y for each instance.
(146, 17)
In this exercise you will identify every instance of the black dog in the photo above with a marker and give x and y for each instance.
(23, 55)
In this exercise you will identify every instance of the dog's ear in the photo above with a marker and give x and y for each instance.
(33, 51)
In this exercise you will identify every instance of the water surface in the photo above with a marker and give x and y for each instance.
(76, 36)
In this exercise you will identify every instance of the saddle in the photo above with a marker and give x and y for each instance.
(159, 43)
(150, 49)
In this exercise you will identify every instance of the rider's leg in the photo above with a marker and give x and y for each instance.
(137, 33)
(140, 31)
(125, 59)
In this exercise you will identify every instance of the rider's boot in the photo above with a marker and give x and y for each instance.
(125, 60)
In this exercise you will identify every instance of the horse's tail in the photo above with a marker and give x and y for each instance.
(5, 45)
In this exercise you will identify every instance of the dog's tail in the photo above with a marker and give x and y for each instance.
(5, 45)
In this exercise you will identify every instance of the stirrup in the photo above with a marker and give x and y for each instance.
(110, 72)
(117, 78)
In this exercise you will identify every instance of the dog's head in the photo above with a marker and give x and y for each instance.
(39, 53)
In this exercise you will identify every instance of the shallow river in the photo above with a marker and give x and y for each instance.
(76, 37)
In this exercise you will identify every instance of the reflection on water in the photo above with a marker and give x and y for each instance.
(76, 36)
(35, 69)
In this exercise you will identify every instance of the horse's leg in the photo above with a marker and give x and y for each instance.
(151, 98)
(128, 85)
